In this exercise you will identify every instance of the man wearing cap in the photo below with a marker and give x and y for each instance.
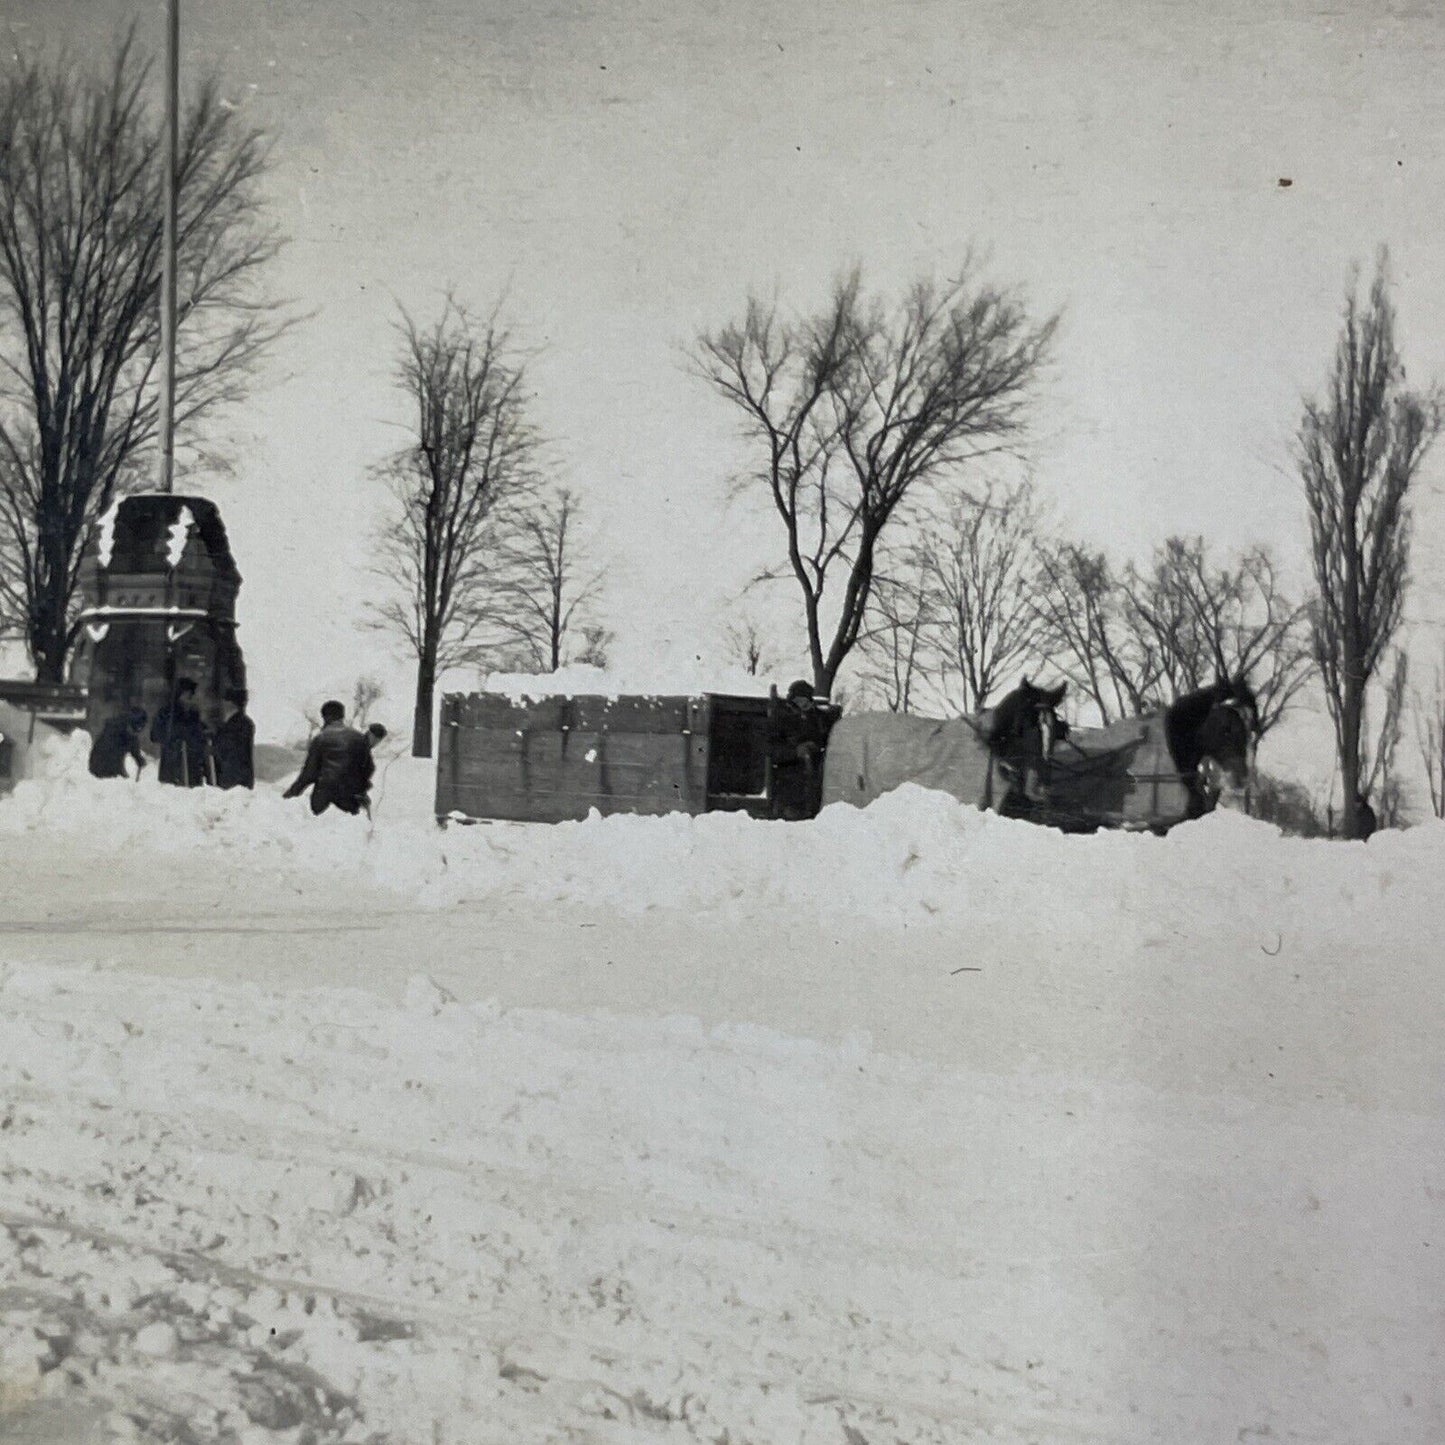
(800, 732)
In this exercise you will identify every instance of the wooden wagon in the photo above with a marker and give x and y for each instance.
(550, 759)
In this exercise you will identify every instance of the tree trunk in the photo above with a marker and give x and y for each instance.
(50, 664)
(1351, 717)
(426, 676)
(48, 638)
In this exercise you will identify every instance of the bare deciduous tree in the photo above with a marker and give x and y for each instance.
(1359, 450)
(1193, 622)
(471, 452)
(596, 649)
(541, 585)
(985, 582)
(1083, 631)
(899, 647)
(365, 696)
(856, 410)
(80, 247)
(746, 643)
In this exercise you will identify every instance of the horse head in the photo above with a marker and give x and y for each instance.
(1212, 735)
(1025, 726)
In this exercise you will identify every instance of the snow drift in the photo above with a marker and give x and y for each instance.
(1168, 1170)
(912, 854)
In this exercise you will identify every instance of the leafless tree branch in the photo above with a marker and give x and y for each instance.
(861, 407)
(1358, 451)
(472, 452)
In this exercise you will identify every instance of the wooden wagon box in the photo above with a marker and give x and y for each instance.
(550, 759)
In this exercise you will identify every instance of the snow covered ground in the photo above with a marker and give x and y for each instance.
(904, 1125)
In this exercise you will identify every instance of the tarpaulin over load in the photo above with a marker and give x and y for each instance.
(872, 753)
(1116, 776)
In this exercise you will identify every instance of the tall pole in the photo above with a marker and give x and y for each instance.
(166, 481)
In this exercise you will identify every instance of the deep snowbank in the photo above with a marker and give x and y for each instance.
(1170, 1170)
(914, 854)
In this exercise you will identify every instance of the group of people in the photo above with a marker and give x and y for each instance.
(341, 762)
(190, 754)
(339, 767)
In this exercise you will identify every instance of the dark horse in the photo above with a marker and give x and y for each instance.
(1211, 736)
(1021, 734)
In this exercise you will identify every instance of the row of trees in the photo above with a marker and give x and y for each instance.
(984, 593)
(871, 425)
(868, 425)
(482, 558)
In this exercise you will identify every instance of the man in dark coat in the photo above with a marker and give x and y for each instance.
(800, 734)
(182, 737)
(234, 746)
(119, 739)
(338, 766)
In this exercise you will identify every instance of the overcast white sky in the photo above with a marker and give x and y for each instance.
(626, 171)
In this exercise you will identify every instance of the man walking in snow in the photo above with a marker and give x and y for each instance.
(338, 766)
(119, 739)
(234, 746)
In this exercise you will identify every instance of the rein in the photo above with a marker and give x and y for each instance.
(1197, 784)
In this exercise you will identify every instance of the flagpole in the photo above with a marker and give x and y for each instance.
(166, 479)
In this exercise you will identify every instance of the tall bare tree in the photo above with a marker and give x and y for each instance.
(80, 242)
(1359, 450)
(472, 450)
(542, 586)
(856, 410)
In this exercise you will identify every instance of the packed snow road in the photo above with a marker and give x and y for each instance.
(901, 1126)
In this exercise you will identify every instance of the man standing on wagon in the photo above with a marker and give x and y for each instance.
(801, 729)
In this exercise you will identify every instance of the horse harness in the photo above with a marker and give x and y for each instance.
(1196, 782)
